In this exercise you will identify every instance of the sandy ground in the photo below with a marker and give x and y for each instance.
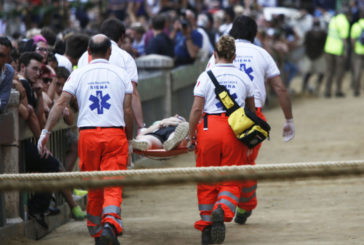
(329, 211)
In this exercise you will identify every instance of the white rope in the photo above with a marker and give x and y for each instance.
(150, 177)
(249, 169)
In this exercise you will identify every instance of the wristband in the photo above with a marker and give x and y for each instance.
(45, 131)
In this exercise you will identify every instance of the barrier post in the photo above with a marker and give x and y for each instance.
(9, 157)
(162, 63)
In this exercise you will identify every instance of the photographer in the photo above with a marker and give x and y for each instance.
(187, 41)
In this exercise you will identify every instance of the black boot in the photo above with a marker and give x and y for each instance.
(218, 226)
(109, 235)
(206, 236)
(241, 218)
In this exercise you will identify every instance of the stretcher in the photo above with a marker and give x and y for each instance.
(162, 154)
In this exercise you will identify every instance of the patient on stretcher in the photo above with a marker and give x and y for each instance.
(166, 134)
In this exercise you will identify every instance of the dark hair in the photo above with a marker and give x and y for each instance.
(49, 35)
(99, 48)
(26, 45)
(14, 54)
(51, 57)
(229, 11)
(5, 42)
(76, 45)
(26, 57)
(59, 47)
(158, 22)
(113, 29)
(62, 72)
(244, 27)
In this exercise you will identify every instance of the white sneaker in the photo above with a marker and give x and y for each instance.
(140, 145)
(180, 134)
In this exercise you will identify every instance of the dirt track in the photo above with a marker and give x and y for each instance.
(300, 212)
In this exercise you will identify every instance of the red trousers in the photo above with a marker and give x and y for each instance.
(248, 199)
(103, 149)
(218, 146)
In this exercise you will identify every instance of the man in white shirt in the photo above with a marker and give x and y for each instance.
(76, 44)
(103, 93)
(261, 69)
(115, 30)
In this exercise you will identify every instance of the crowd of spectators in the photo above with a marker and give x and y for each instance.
(41, 44)
(185, 30)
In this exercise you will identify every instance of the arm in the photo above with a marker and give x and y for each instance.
(137, 107)
(5, 89)
(195, 115)
(39, 109)
(128, 116)
(285, 102)
(191, 47)
(68, 115)
(52, 89)
(53, 117)
(283, 97)
(57, 110)
(249, 102)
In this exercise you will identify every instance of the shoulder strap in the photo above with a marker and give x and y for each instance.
(223, 95)
(213, 79)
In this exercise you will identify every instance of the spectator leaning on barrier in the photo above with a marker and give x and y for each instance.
(357, 39)
(104, 127)
(336, 51)
(6, 72)
(30, 70)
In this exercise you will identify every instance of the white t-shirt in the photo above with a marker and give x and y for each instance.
(64, 62)
(257, 63)
(100, 88)
(119, 57)
(236, 81)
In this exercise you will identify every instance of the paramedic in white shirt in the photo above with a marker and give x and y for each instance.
(115, 30)
(261, 69)
(105, 121)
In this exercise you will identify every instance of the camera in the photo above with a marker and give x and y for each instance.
(184, 23)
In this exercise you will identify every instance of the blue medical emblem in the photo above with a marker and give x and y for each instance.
(219, 105)
(99, 102)
(248, 71)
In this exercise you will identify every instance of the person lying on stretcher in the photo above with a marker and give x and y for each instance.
(165, 134)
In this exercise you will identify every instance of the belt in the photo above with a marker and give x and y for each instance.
(215, 114)
(83, 128)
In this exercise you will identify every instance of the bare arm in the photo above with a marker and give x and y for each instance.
(137, 106)
(52, 89)
(68, 115)
(191, 47)
(283, 96)
(249, 102)
(195, 115)
(39, 109)
(128, 116)
(57, 110)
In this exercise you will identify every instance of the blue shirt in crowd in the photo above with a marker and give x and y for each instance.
(180, 48)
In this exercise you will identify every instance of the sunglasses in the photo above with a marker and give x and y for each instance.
(47, 80)
(42, 49)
